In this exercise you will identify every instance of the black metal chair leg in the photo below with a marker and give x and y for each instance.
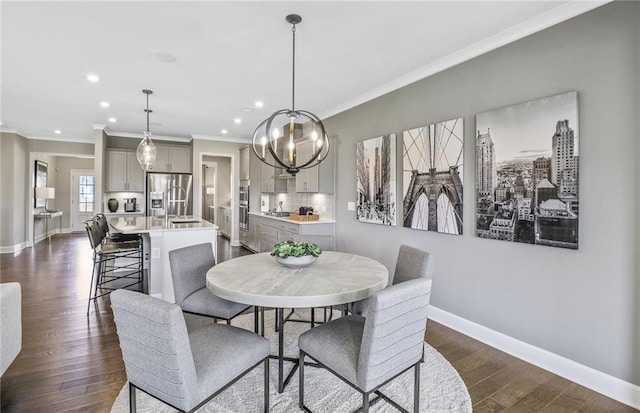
(255, 320)
(301, 381)
(416, 389)
(266, 384)
(132, 398)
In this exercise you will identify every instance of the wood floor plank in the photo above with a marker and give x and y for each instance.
(71, 361)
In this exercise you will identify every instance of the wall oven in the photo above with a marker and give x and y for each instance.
(244, 208)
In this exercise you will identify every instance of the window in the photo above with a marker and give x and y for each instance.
(87, 194)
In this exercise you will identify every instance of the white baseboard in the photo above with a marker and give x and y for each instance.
(603, 383)
(12, 249)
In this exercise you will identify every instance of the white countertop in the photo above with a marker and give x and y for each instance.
(138, 224)
(293, 221)
(336, 278)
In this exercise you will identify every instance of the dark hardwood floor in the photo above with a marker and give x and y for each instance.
(72, 362)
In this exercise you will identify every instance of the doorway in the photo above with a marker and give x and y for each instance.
(83, 199)
(209, 198)
(217, 190)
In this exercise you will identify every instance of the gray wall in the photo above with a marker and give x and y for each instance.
(13, 189)
(578, 304)
(16, 184)
(64, 165)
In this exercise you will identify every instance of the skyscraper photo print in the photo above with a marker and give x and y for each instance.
(527, 186)
(376, 180)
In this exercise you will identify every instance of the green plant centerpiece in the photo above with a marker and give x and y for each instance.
(296, 254)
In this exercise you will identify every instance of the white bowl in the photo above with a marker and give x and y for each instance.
(297, 262)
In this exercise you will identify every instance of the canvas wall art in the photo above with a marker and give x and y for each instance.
(376, 180)
(432, 172)
(527, 169)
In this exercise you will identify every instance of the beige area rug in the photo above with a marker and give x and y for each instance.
(441, 388)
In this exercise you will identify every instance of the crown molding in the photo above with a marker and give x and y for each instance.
(139, 136)
(563, 12)
(231, 139)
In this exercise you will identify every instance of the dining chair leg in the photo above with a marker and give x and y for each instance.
(280, 318)
(262, 321)
(301, 381)
(365, 402)
(313, 317)
(228, 321)
(266, 384)
(132, 398)
(255, 320)
(416, 388)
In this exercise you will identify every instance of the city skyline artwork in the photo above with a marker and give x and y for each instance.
(527, 172)
(376, 180)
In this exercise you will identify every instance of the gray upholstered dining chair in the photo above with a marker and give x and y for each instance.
(368, 352)
(412, 263)
(189, 266)
(182, 369)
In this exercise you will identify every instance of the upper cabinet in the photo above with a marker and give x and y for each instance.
(124, 173)
(244, 163)
(172, 159)
(306, 179)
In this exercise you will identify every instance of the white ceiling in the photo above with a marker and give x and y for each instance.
(230, 54)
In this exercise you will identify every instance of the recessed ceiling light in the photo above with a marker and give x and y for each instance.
(237, 120)
(93, 78)
(104, 104)
(259, 103)
(57, 131)
(223, 131)
(113, 120)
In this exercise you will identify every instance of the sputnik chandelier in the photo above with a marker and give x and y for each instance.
(277, 140)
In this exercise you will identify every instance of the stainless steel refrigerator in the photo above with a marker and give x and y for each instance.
(169, 194)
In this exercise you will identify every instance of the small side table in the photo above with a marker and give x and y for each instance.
(47, 216)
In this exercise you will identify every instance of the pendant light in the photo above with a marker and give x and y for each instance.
(279, 139)
(146, 152)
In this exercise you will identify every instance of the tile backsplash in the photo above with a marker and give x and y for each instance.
(323, 204)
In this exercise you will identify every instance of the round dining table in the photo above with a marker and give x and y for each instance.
(259, 280)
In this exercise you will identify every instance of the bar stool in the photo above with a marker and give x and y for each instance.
(116, 264)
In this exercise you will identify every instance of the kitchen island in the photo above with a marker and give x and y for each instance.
(160, 236)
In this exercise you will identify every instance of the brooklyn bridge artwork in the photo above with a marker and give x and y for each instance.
(526, 172)
(376, 180)
(432, 171)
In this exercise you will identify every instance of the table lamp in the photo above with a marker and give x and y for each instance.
(47, 194)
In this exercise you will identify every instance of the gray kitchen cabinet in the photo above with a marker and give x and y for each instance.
(171, 158)
(124, 173)
(306, 179)
(244, 163)
(270, 231)
(268, 184)
(224, 217)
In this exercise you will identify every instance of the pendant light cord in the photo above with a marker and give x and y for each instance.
(293, 77)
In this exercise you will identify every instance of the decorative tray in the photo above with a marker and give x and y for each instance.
(308, 217)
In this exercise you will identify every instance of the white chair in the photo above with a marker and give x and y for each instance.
(367, 353)
(183, 369)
